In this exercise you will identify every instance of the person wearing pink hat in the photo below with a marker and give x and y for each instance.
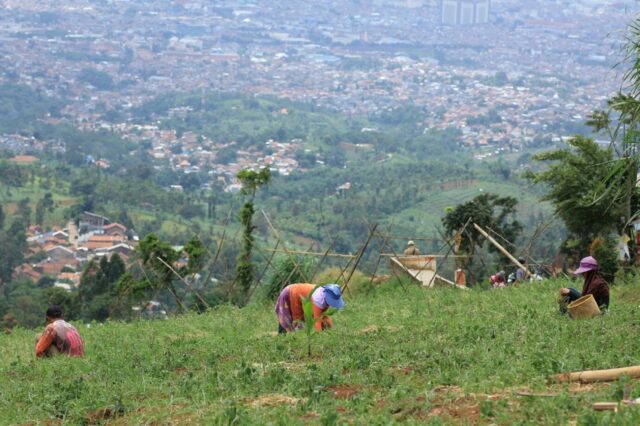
(594, 284)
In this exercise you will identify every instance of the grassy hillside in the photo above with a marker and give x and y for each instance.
(439, 356)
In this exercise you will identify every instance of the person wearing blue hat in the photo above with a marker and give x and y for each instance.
(289, 305)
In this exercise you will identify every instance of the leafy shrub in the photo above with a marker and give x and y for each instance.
(605, 252)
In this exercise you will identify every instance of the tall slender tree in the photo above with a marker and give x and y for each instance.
(245, 268)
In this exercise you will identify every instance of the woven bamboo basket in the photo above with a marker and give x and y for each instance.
(585, 307)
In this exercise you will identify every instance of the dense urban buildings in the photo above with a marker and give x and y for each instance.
(465, 12)
(534, 70)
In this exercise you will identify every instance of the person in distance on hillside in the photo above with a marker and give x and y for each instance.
(59, 337)
(289, 305)
(521, 274)
(594, 284)
(411, 249)
(497, 280)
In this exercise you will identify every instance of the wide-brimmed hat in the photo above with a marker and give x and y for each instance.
(410, 243)
(586, 264)
(333, 296)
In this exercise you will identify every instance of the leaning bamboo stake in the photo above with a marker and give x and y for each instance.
(284, 246)
(451, 248)
(359, 257)
(502, 250)
(311, 253)
(384, 242)
(592, 376)
(204, 302)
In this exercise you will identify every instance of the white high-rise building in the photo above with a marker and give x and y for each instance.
(450, 12)
(465, 12)
(482, 12)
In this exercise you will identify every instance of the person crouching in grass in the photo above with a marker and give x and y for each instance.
(59, 337)
(289, 305)
(594, 284)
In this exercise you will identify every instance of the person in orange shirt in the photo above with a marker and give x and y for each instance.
(289, 305)
(59, 337)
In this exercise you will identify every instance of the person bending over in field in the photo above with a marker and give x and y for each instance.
(593, 284)
(59, 337)
(289, 305)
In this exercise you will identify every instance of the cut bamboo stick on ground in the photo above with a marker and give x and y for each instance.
(537, 394)
(605, 406)
(599, 375)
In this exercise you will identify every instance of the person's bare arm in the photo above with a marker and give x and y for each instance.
(45, 341)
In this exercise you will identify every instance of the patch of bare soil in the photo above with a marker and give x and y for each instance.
(463, 410)
(100, 416)
(274, 400)
(403, 370)
(370, 329)
(587, 387)
(379, 279)
(451, 402)
(309, 416)
(343, 391)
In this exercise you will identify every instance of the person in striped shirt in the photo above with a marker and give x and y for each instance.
(59, 337)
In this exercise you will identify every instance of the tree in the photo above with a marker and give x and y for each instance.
(157, 257)
(490, 212)
(24, 211)
(621, 122)
(196, 252)
(98, 79)
(588, 188)
(98, 287)
(251, 181)
(586, 192)
(11, 250)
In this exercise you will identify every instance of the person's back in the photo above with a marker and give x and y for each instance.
(68, 339)
(411, 249)
(59, 337)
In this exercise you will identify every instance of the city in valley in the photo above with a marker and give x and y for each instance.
(506, 74)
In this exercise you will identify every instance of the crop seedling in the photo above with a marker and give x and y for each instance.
(309, 321)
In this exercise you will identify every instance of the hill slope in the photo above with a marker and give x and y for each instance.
(442, 355)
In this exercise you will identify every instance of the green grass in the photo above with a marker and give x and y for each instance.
(440, 356)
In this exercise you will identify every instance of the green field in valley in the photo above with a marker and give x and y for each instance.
(439, 356)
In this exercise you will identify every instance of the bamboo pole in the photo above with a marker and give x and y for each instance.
(359, 257)
(204, 302)
(591, 376)
(396, 237)
(605, 406)
(311, 253)
(384, 242)
(451, 248)
(284, 246)
(437, 256)
(502, 250)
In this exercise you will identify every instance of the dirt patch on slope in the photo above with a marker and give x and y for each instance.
(274, 400)
(343, 391)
